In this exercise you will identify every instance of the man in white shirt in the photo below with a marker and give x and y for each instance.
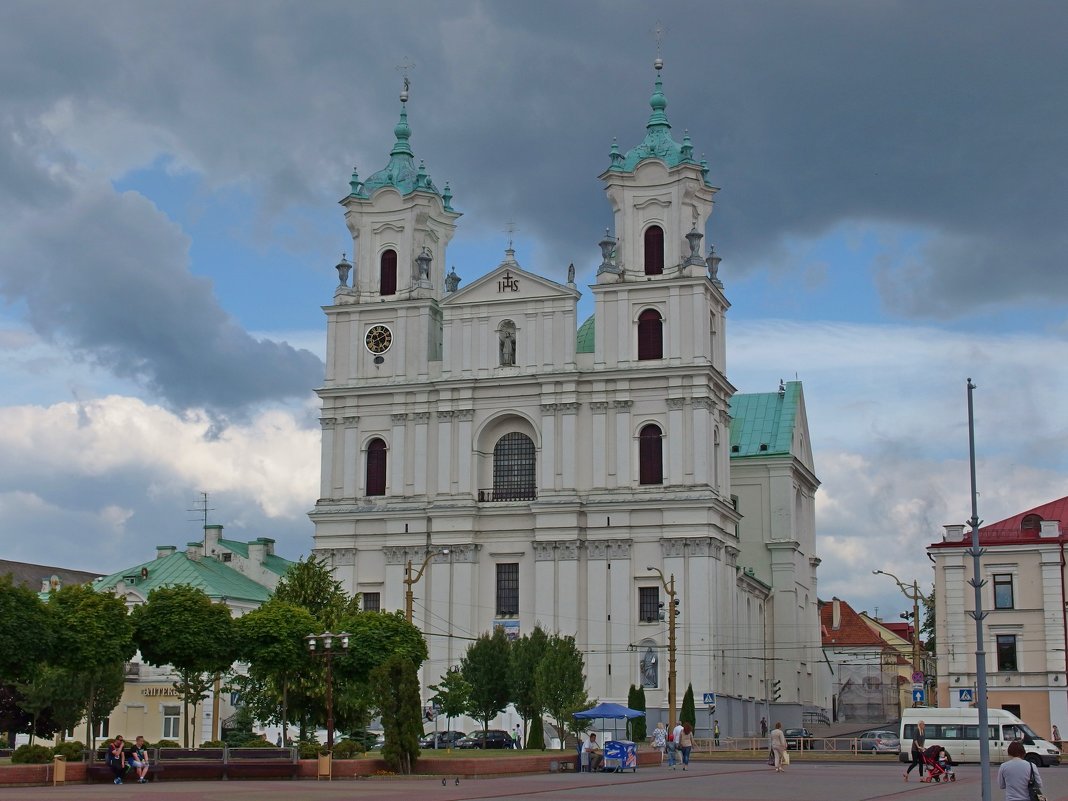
(593, 752)
(676, 733)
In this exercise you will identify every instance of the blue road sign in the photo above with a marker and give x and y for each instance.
(965, 696)
(709, 698)
(917, 696)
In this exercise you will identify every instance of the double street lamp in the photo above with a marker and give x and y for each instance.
(410, 581)
(669, 588)
(326, 645)
(913, 594)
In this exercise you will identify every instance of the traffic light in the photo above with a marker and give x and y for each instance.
(678, 611)
(776, 690)
(662, 614)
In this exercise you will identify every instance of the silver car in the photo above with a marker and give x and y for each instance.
(879, 742)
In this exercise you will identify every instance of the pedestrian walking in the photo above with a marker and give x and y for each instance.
(686, 744)
(763, 727)
(659, 739)
(778, 746)
(917, 750)
(715, 733)
(1017, 773)
(517, 737)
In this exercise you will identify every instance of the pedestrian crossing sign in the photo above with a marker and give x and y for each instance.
(709, 698)
(965, 696)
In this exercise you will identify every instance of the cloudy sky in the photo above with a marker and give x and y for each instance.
(892, 221)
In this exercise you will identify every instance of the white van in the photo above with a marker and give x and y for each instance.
(957, 730)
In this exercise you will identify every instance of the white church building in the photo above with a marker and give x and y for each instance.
(549, 469)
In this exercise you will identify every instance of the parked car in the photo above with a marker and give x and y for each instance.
(879, 742)
(798, 739)
(494, 738)
(445, 739)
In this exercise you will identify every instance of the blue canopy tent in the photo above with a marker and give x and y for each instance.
(610, 712)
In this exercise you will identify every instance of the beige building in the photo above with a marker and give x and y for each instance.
(1023, 565)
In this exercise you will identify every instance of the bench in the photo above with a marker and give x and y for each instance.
(261, 763)
(193, 763)
(99, 770)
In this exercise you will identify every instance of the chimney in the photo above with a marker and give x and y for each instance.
(212, 535)
(164, 551)
(954, 533)
(1050, 529)
(259, 549)
(836, 614)
(194, 550)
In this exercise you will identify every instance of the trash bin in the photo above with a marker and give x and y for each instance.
(59, 770)
(325, 768)
(620, 755)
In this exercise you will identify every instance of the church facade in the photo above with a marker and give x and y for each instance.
(547, 472)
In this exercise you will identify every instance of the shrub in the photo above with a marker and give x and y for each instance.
(308, 750)
(258, 742)
(73, 750)
(31, 755)
(166, 744)
(213, 744)
(347, 749)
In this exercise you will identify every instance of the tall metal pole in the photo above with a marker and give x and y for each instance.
(916, 664)
(329, 701)
(671, 651)
(977, 583)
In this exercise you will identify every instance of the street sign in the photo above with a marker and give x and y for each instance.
(709, 698)
(965, 696)
(917, 696)
(917, 677)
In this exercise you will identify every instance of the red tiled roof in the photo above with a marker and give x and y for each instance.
(852, 630)
(1011, 532)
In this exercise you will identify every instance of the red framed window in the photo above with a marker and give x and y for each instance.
(650, 335)
(650, 455)
(376, 467)
(654, 250)
(387, 275)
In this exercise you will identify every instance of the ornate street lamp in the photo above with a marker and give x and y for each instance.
(326, 645)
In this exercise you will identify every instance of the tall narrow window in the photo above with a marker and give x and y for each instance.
(650, 335)
(172, 718)
(372, 601)
(387, 276)
(508, 588)
(654, 250)
(376, 467)
(1007, 652)
(1003, 591)
(650, 455)
(514, 468)
(648, 604)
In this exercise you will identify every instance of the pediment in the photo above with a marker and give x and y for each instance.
(509, 282)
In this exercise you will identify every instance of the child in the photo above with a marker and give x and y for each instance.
(946, 763)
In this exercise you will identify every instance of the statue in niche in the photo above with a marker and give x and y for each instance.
(452, 281)
(649, 669)
(507, 344)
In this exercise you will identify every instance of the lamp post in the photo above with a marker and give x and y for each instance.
(913, 595)
(330, 643)
(669, 588)
(410, 581)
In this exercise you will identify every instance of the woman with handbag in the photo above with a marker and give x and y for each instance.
(1018, 777)
(778, 747)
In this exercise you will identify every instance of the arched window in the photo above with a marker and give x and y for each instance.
(650, 335)
(376, 467)
(1031, 523)
(514, 468)
(387, 276)
(650, 455)
(654, 250)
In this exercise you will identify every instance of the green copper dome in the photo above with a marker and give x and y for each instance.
(401, 173)
(584, 341)
(658, 143)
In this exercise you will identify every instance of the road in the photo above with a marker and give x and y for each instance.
(805, 780)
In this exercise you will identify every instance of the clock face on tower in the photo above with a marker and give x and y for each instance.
(378, 339)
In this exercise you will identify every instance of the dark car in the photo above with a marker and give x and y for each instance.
(493, 738)
(879, 741)
(798, 739)
(445, 739)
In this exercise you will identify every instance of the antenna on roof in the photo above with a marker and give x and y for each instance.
(201, 506)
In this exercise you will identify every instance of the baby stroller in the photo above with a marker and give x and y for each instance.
(938, 765)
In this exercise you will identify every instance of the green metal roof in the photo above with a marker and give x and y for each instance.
(401, 172)
(216, 579)
(584, 339)
(762, 424)
(658, 143)
(240, 548)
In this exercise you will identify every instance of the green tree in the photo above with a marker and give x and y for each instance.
(271, 640)
(561, 682)
(95, 637)
(181, 627)
(927, 630)
(485, 669)
(527, 652)
(688, 713)
(636, 728)
(26, 633)
(451, 695)
(395, 689)
(310, 583)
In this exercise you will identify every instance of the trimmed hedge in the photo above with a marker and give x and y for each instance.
(31, 755)
(73, 750)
